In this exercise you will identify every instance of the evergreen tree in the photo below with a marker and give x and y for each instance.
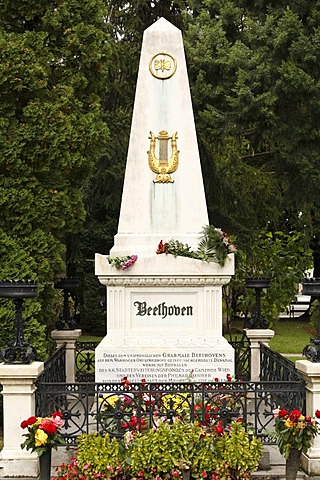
(254, 76)
(54, 59)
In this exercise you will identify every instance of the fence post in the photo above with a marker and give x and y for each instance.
(255, 337)
(18, 394)
(311, 374)
(69, 338)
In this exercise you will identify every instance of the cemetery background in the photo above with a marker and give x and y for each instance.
(13, 221)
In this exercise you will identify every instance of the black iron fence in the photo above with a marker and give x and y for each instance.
(85, 361)
(54, 372)
(115, 408)
(242, 355)
(275, 366)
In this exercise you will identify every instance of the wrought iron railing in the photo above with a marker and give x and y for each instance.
(85, 361)
(113, 408)
(242, 355)
(54, 372)
(275, 366)
(55, 367)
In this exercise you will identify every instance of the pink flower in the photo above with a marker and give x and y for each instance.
(57, 420)
(129, 262)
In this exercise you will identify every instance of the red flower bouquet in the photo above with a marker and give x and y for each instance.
(294, 430)
(43, 433)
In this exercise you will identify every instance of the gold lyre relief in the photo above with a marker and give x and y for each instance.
(163, 166)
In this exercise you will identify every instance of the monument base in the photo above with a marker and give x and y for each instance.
(163, 359)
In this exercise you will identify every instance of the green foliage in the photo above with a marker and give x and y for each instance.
(280, 256)
(238, 453)
(172, 446)
(54, 59)
(215, 245)
(167, 452)
(254, 81)
(98, 454)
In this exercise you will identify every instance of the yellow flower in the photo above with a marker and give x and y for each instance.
(40, 437)
(175, 402)
(289, 424)
(301, 425)
(107, 400)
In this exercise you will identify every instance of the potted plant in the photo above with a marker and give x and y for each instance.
(293, 433)
(43, 435)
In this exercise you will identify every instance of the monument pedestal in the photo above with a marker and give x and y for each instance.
(165, 321)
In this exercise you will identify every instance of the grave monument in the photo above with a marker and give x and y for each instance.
(164, 312)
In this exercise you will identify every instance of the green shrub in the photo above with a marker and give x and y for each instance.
(167, 452)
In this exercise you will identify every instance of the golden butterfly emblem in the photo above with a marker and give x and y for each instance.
(162, 65)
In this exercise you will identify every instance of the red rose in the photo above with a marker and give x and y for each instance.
(318, 413)
(57, 414)
(294, 415)
(282, 413)
(125, 382)
(133, 421)
(28, 422)
(308, 419)
(48, 426)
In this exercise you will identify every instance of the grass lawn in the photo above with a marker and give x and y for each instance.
(90, 338)
(291, 336)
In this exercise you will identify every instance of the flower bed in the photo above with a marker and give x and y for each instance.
(167, 452)
(169, 445)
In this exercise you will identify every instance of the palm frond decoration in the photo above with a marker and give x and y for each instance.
(214, 246)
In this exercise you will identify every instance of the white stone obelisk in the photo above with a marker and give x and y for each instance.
(164, 312)
(151, 211)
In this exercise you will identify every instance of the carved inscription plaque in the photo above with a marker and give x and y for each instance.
(164, 366)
